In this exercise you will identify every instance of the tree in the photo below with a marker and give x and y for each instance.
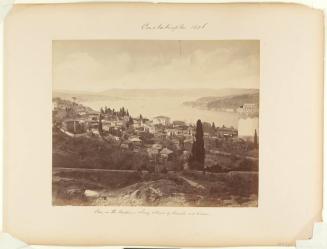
(255, 139)
(193, 152)
(100, 124)
(198, 151)
(130, 121)
(101, 110)
(199, 142)
(213, 126)
(121, 112)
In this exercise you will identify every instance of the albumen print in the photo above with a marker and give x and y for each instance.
(155, 123)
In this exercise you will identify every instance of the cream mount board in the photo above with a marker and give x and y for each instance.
(264, 88)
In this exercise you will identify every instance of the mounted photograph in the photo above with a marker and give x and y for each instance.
(171, 123)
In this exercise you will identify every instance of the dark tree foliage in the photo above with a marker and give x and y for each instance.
(213, 126)
(193, 152)
(199, 142)
(121, 113)
(100, 124)
(130, 121)
(255, 140)
(198, 151)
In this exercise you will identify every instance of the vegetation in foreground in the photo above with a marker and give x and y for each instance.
(103, 175)
(128, 188)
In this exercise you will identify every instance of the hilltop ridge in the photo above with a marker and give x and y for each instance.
(229, 102)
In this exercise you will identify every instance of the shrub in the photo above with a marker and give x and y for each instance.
(164, 170)
(248, 165)
(196, 165)
(217, 168)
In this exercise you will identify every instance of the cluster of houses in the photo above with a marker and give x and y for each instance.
(160, 138)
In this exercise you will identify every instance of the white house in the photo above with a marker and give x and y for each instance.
(149, 128)
(135, 140)
(166, 151)
(162, 120)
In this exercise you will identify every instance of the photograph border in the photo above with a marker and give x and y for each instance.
(236, 128)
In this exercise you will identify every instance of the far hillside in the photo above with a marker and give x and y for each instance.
(225, 103)
(123, 94)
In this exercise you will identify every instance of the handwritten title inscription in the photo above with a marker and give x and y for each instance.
(146, 212)
(173, 27)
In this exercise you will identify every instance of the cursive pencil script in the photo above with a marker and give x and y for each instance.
(173, 27)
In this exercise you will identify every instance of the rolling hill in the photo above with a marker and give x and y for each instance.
(225, 102)
(117, 93)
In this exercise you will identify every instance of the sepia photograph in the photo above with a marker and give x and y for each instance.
(171, 123)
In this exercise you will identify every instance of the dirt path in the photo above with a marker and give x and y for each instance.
(192, 183)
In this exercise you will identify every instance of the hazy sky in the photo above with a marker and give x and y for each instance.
(101, 65)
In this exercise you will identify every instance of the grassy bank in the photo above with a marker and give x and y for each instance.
(149, 189)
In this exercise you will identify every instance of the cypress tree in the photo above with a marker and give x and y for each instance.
(100, 124)
(198, 151)
(255, 139)
(130, 121)
(199, 142)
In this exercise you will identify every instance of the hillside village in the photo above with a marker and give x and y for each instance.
(111, 157)
(164, 141)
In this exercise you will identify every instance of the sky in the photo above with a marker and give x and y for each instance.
(100, 65)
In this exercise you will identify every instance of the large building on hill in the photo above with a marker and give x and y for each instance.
(249, 108)
(226, 132)
(161, 120)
